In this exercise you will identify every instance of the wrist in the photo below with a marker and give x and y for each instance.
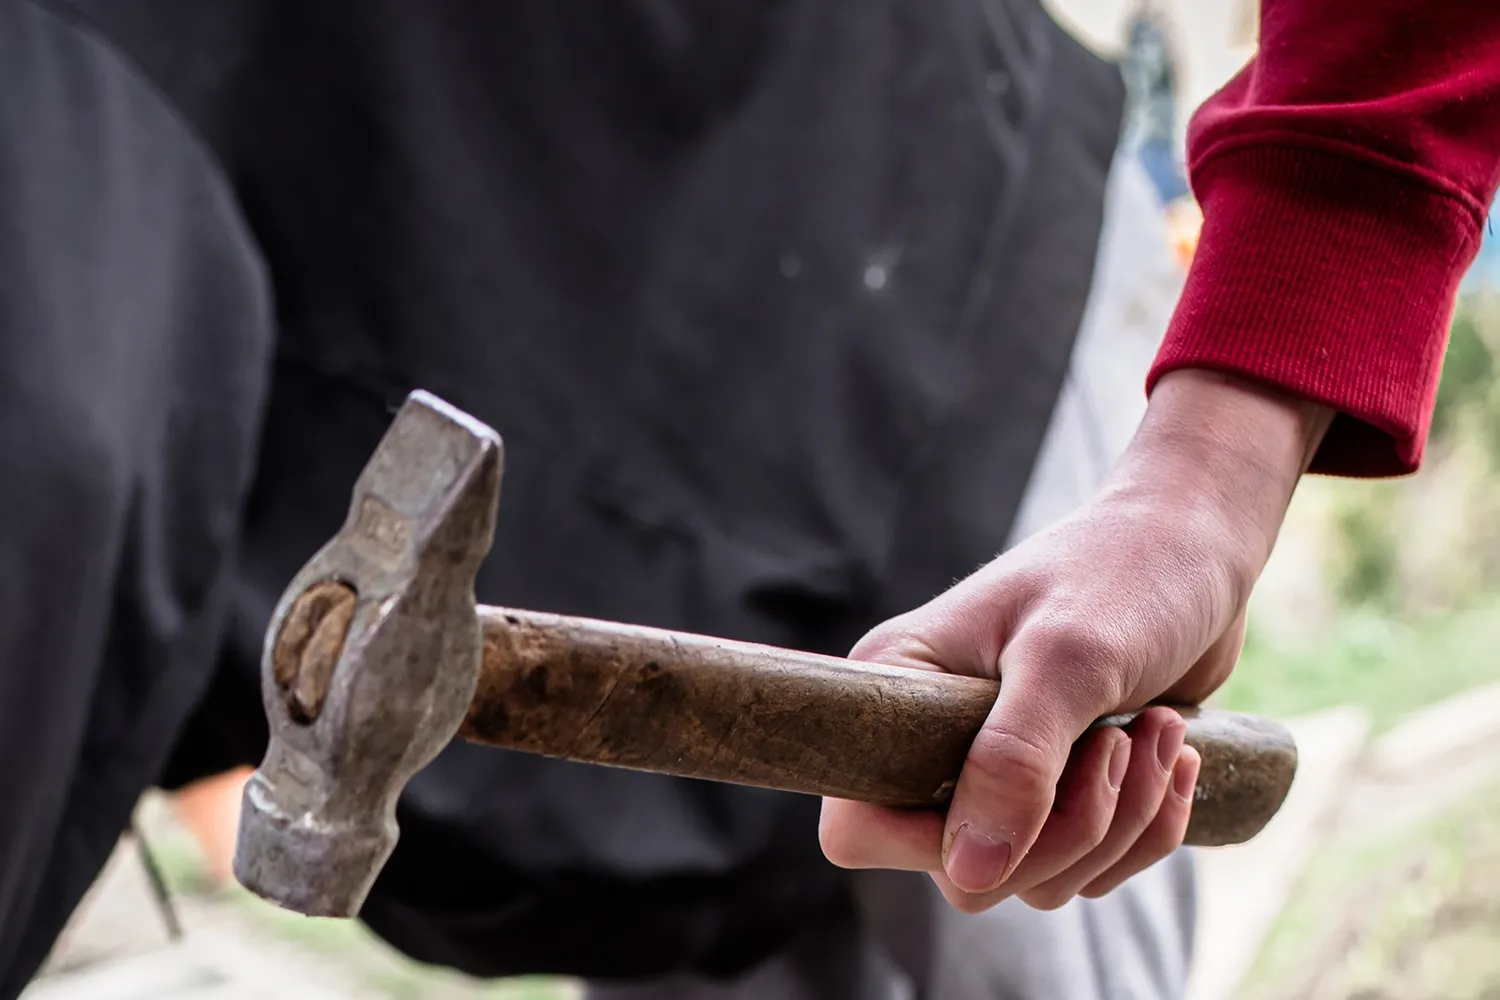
(1225, 446)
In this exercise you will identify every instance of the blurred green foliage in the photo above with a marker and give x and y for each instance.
(1365, 556)
(1371, 523)
(1386, 665)
(1416, 604)
(1468, 371)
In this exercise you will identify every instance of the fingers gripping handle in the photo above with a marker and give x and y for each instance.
(627, 696)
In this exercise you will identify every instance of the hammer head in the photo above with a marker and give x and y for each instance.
(370, 662)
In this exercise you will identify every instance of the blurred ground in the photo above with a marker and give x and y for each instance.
(232, 945)
(1387, 666)
(1413, 915)
(1402, 898)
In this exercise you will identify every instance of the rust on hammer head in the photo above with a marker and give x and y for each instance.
(370, 662)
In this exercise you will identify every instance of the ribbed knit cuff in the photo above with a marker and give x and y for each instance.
(1332, 279)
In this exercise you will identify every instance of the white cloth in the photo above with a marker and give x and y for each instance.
(1136, 284)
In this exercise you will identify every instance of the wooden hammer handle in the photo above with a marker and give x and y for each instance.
(652, 700)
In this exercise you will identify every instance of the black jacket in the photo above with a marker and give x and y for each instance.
(771, 303)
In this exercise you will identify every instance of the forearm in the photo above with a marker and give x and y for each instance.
(1219, 444)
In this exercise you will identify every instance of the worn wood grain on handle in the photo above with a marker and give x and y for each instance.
(647, 699)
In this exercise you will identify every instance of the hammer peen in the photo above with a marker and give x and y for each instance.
(375, 658)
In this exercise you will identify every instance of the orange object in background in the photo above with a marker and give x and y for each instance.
(210, 809)
(1184, 221)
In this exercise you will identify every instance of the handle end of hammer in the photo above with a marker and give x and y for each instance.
(1248, 767)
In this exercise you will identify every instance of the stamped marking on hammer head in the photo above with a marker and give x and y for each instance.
(370, 662)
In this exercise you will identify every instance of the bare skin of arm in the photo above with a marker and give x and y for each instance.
(1139, 595)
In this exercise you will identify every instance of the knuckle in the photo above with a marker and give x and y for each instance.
(1010, 763)
(1088, 662)
(1161, 839)
(1075, 641)
(841, 849)
(1099, 888)
(1143, 795)
(1150, 850)
(1132, 820)
(966, 902)
(1094, 827)
(970, 903)
(1154, 719)
(1048, 898)
(1166, 832)
(894, 641)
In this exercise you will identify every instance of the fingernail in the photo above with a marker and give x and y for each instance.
(976, 863)
(1168, 744)
(1184, 777)
(1119, 760)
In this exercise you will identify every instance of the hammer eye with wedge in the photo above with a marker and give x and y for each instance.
(377, 656)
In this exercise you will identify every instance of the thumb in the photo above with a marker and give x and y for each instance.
(1006, 790)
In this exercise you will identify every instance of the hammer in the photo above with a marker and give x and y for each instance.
(377, 656)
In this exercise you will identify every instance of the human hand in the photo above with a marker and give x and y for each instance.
(1139, 596)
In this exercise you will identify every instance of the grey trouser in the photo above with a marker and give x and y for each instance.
(1133, 944)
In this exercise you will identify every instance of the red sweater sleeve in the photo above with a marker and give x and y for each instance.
(1345, 177)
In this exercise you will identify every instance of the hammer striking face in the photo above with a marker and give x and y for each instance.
(370, 662)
